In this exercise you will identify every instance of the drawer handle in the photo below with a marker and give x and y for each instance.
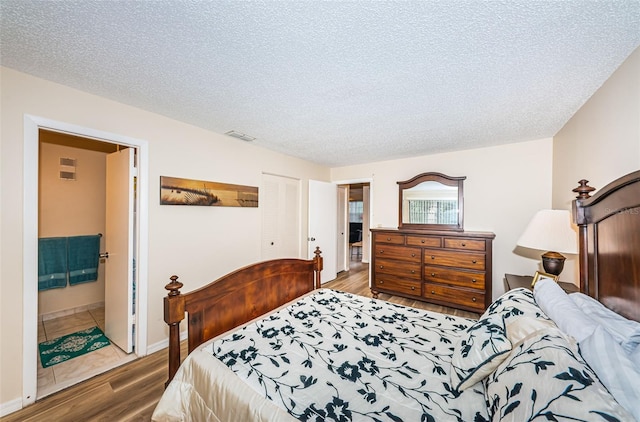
(473, 280)
(381, 282)
(474, 261)
(381, 251)
(413, 271)
(433, 292)
(473, 299)
(464, 244)
(421, 240)
(433, 274)
(388, 239)
(413, 255)
(433, 257)
(413, 287)
(381, 266)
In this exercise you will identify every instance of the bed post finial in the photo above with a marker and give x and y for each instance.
(174, 287)
(318, 266)
(583, 190)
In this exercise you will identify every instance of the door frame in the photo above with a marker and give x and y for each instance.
(370, 214)
(32, 125)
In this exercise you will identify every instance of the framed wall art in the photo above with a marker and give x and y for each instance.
(179, 191)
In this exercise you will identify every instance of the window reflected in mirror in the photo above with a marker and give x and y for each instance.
(431, 200)
(431, 203)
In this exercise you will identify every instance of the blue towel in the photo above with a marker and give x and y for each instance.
(52, 263)
(83, 258)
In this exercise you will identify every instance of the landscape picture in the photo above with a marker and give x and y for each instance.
(178, 191)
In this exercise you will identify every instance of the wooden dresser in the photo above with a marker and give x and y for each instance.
(447, 268)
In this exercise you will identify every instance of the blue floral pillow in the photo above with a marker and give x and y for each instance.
(515, 303)
(545, 378)
(480, 349)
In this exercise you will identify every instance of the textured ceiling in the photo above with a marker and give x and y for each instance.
(336, 83)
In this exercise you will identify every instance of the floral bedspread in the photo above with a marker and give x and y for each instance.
(337, 356)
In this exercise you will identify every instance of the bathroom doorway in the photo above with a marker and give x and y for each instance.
(34, 127)
(76, 205)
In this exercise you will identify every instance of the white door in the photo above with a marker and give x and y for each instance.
(343, 229)
(323, 225)
(280, 204)
(119, 317)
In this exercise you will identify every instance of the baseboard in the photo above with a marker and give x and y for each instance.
(70, 311)
(156, 347)
(163, 344)
(10, 407)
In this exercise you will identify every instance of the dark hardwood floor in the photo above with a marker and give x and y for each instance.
(131, 392)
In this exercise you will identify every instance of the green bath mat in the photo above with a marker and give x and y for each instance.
(71, 346)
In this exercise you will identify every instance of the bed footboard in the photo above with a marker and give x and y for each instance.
(234, 299)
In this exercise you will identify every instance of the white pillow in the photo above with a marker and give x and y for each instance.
(614, 368)
(635, 357)
(562, 310)
(624, 331)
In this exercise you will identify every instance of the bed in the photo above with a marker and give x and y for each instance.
(267, 343)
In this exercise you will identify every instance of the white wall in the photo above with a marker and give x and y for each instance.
(197, 243)
(505, 186)
(600, 143)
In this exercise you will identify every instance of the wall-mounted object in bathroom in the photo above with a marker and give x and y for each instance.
(68, 168)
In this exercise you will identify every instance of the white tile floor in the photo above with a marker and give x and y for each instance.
(65, 374)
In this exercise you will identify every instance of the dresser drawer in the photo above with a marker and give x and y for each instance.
(398, 252)
(396, 239)
(465, 244)
(428, 241)
(474, 280)
(398, 268)
(473, 261)
(454, 295)
(399, 285)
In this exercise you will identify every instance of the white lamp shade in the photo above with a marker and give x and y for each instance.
(550, 230)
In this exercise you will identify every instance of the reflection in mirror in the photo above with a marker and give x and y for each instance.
(431, 201)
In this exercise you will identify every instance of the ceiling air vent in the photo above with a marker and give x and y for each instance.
(239, 135)
(68, 168)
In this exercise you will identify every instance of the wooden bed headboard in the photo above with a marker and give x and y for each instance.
(234, 299)
(609, 236)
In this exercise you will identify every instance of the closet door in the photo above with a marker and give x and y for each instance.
(280, 203)
(119, 318)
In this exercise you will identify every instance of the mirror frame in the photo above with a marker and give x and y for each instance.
(440, 178)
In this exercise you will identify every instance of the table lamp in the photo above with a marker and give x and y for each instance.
(551, 231)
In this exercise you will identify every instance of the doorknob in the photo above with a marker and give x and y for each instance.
(104, 255)
(311, 239)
